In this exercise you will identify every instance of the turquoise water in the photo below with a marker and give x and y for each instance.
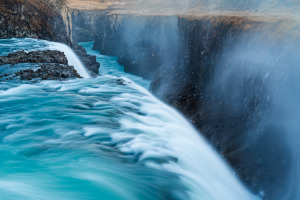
(50, 150)
(109, 66)
(105, 138)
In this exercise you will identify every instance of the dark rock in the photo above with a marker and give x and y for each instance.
(52, 71)
(121, 82)
(47, 56)
(89, 61)
(51, 65)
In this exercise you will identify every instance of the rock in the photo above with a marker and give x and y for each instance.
(121, 82)
(49, 71)
(47, 56)
(52, 65)
(89, 61)
(33, 19)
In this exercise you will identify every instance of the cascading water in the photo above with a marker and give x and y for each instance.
(72, 58)
(12, 45)
(103, 138)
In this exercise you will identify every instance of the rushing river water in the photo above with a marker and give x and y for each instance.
(102, 138)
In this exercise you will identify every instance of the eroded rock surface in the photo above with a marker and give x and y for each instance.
(48, 71)
(47, 56)
(89, 61)
(33, 19)
(44, 65)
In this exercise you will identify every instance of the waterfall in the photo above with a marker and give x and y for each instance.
(164, 134)
(72, 58)
(167, 134)
(105, 138)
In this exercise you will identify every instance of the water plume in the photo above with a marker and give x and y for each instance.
(257, 79)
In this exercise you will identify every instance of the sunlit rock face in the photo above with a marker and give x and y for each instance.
(35, 19)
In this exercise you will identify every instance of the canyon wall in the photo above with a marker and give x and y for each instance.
(35, 19)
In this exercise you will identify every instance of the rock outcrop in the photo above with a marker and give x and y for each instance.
(48, 71)
(44, 65)
(47, 56)
(89, 61)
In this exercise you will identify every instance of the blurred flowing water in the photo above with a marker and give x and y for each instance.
(101, 138)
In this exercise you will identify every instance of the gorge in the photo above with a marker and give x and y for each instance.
(230, 67)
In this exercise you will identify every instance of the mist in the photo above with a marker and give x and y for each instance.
(259, 78)
(188, 6)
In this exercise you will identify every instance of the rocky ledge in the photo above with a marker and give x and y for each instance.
(49, 72)
(46, 56)
(44, 65)
(89, 61)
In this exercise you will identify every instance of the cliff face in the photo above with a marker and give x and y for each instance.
(32, 18)
(84, 24)
(144, 44)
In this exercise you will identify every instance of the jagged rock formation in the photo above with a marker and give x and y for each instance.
(89, 61)
(48, 71)
(47, 56)
(45, 65)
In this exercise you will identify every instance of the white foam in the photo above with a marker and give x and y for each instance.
(89, 131)
(200, 168)
(21, 89)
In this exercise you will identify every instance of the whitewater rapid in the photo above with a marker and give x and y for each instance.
(106, 138)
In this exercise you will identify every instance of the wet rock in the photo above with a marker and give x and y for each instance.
(49, 71)
(89, 61)
(121, 82)
(47, 65)
(33, 19)
(47, 56)
(41, 20)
